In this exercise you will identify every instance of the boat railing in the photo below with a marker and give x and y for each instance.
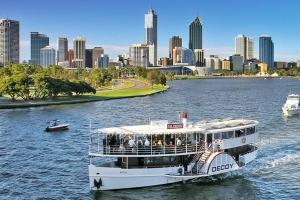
(95, 148)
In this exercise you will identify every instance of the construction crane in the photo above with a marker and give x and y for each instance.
(298, 54)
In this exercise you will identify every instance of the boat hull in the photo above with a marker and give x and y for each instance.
(118, 178)
(57, 128)
(291, 111)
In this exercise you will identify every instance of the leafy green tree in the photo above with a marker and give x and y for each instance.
(153, 77)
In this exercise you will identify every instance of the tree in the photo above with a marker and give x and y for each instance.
(152, 77)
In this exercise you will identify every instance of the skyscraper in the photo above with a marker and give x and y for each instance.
(266, 50)
(250, 47)
(97, 52)
(151, 35)
(9, 41)
(195, 34)
(79, 50)
(62, 49)
(175, 41)
(241, 46)
(47, 56)
(199, 57)
(37, 42)
(244, 47)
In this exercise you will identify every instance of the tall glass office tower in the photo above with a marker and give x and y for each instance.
(62, 49)
(266, 50)
(9, 41)
(195, 34)
(37, 42)
(151, 35)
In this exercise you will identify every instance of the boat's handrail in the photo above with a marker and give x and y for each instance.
(95, 148)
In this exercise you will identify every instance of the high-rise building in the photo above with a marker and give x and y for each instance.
(266, 50)
(97, 52)
(79, 51)
(182, 55)
(9, 41)
(199, 57)
(244, 47)
(89, 58)
(138, 55)
(151, 35)
(103, 61)
(195, 34)
(250, 48)
(62, 49)
(241, 46)
(37, 41)
(47, 56)
(175, 41)
(236, 63)
(70, 56)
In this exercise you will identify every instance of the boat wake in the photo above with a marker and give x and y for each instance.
(288, 160)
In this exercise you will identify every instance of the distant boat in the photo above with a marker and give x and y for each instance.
(292, 105)
(54, 125)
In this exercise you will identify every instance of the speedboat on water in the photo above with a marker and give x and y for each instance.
(292, 105)
(164, 153)
(55, 125)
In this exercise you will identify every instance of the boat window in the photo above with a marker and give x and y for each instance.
(209, 138)
(225, 135)
(230, 134)
(239, 133)
(202, 137)
(217, 136)
(252, 130)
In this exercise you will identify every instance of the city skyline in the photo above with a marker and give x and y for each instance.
(115, 25)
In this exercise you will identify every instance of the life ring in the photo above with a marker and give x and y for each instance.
(243, 140)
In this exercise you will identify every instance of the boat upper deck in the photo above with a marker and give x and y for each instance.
(164, 127)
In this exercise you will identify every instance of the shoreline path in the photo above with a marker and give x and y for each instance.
(8, 103)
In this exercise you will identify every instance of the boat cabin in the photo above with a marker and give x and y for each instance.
(167, 144)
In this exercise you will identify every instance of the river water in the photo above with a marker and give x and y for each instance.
(39, 165)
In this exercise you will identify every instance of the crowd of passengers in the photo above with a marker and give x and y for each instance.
(119, 142)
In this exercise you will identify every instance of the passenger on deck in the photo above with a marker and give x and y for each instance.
(131, 143)
(147, 143)
(179, 142)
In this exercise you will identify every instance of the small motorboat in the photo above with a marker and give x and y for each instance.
(56, 126)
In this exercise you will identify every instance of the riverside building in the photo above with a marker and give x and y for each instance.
(9, 41)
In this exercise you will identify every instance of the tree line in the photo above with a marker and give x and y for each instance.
(36, 82)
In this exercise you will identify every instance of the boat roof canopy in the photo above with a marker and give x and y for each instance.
(162, 127)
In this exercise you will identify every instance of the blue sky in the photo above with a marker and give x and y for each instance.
(116, 24)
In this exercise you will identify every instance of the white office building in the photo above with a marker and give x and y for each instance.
(47, 56)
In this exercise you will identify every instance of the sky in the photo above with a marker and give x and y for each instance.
(116, 24)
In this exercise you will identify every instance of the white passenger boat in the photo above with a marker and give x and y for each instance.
(163, 153)
(292, 105)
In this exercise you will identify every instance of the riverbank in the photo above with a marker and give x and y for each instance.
(139, 89)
